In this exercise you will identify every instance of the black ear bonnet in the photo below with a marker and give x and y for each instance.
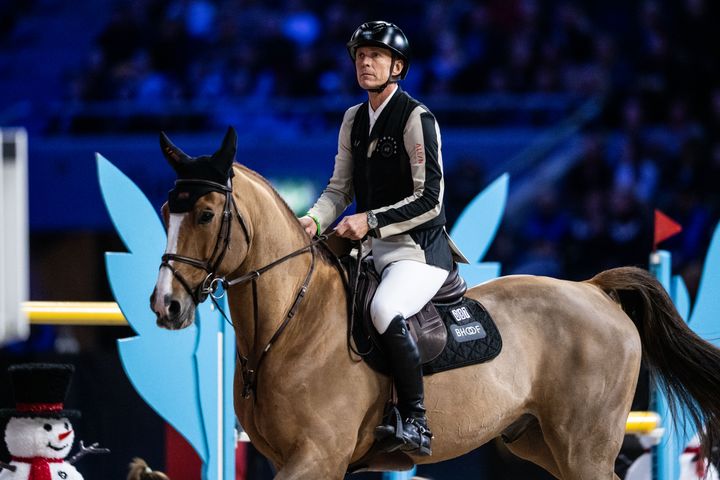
(198, 176)
(185, 195)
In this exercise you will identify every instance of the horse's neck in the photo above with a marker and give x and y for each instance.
(275, 230)
(276, 233)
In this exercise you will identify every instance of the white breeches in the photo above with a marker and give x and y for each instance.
(405, 287)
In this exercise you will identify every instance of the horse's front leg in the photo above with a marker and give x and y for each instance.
(315, 459)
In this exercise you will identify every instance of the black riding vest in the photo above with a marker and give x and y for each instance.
(385, 177)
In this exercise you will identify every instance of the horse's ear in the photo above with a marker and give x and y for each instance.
(225, 156)
(172, 153)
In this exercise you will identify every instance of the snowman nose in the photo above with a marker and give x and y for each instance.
(63, 436)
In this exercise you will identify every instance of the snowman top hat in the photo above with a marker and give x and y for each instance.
(40, 390)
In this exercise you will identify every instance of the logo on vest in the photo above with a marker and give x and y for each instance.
(387, 146)
(466, 333)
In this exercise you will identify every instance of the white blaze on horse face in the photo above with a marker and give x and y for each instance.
(165, 277)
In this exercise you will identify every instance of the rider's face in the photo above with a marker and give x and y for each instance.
(372, 66)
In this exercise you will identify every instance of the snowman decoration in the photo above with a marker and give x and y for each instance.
(39, 434)
(693, 466)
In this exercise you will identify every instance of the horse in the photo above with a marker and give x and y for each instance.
(558, 393)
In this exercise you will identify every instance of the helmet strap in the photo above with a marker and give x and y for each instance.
(387, 82)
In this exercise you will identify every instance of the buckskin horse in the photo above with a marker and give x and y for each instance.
(558, 394)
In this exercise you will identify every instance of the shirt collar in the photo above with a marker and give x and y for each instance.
(374, 114)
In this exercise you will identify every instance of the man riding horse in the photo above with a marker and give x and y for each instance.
(553, 394)
(389, 158)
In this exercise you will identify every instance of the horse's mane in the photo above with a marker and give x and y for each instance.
(264, 181)
(325, 252)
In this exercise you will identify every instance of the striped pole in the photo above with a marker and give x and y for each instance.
(74, 313)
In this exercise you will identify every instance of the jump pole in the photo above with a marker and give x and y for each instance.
(665, 466)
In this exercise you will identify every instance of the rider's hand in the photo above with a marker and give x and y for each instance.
(308, 225)
(354, 227)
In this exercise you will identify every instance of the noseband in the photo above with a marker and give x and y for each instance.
(222, 243)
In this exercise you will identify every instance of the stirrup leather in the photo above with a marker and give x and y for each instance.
(391, 425)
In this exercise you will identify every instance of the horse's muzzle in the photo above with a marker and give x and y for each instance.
(171, 313)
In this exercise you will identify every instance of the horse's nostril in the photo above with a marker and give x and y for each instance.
(174, 308)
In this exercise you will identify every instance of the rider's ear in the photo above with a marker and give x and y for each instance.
(398, 67)
(165, 214)
(172, 153)
(225, 156)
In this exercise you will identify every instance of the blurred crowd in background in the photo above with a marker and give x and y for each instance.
(656, 144)
(154, 50)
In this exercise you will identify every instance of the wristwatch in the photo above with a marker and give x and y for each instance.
(372, 220)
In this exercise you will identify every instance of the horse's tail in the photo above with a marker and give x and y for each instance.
(686, 367)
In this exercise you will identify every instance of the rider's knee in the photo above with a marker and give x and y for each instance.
(382, 314)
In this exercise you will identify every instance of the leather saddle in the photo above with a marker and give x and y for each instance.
(426, 326)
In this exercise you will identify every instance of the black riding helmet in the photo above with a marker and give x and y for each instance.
(382, 34)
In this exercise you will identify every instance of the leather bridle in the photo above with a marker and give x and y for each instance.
(249, 365)
(212, 280)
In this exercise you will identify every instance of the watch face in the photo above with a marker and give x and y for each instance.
(372, 220)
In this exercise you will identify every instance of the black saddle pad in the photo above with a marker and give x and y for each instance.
(473, 338)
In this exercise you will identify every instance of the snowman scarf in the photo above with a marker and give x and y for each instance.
(39, 466)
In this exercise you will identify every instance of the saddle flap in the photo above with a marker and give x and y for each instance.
(426, 327)
(429, 332)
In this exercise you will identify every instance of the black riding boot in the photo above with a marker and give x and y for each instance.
(406, 429)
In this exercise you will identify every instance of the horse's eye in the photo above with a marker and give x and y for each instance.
(206, 217)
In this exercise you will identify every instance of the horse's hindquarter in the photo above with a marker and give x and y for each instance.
(565, 346)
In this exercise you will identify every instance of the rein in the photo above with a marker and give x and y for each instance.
(250, 369)
(209, 285)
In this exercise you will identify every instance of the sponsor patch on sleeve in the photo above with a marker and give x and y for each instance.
(419, 153)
